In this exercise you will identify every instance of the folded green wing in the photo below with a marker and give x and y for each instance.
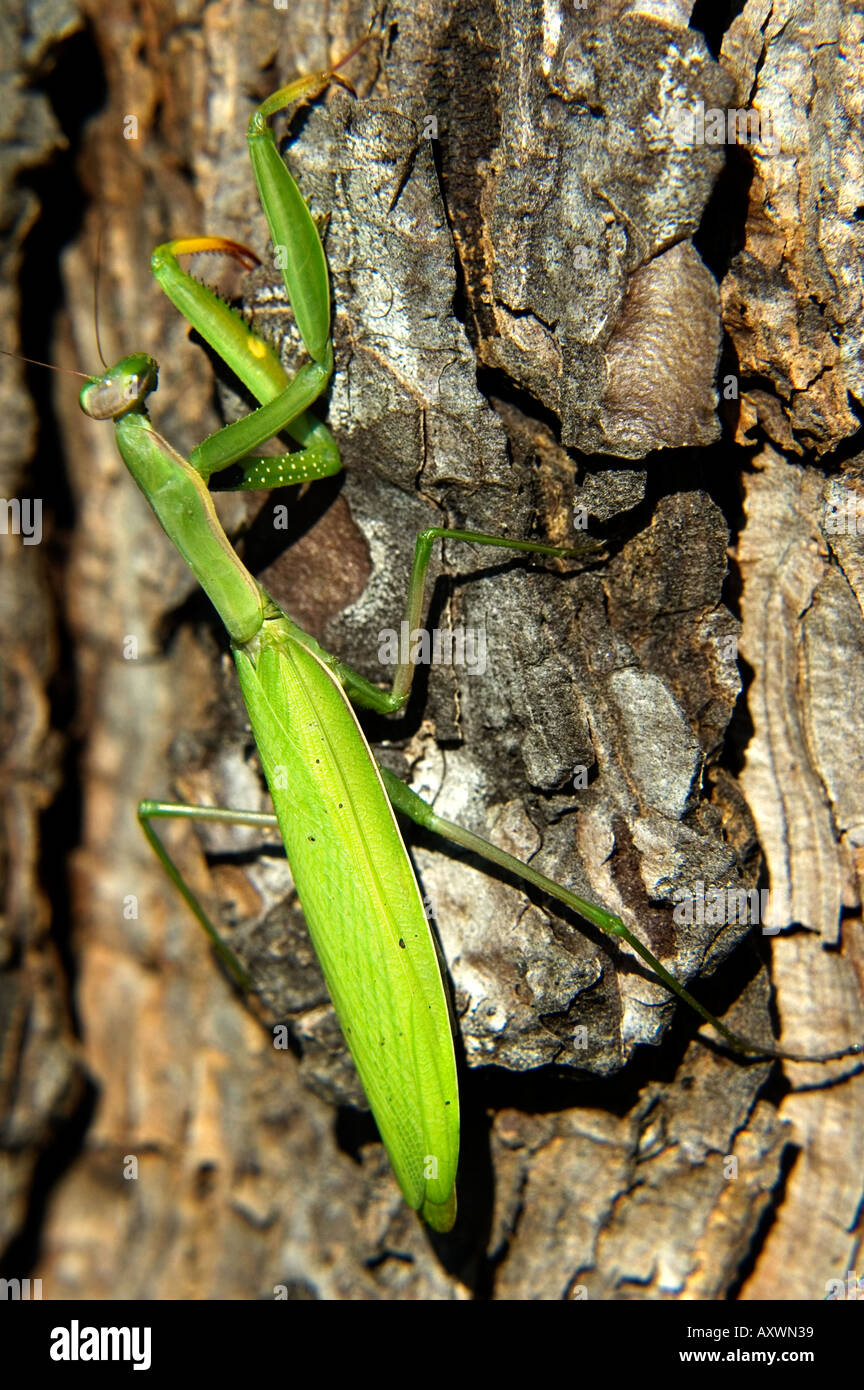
(363, 909)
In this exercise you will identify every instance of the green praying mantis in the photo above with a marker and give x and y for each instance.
(334, 806)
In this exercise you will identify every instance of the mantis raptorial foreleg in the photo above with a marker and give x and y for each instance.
(284, 402)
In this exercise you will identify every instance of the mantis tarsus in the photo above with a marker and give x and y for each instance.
(333, 805)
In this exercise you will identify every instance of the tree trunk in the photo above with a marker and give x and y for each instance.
(536, 240)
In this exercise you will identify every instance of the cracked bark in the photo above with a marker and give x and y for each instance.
(523, 325)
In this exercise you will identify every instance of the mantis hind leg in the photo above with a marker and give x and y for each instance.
(413, 806)
(149, 811)
(406, 801)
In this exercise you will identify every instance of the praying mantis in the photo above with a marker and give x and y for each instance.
(334, 807)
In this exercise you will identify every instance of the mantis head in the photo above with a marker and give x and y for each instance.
(122, 388)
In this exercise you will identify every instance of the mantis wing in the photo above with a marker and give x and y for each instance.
(363, 909)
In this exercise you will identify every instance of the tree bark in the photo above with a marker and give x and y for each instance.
(533, 262)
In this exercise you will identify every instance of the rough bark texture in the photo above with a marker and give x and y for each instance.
(40, 1080)
(793, 300)
(510, 211)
